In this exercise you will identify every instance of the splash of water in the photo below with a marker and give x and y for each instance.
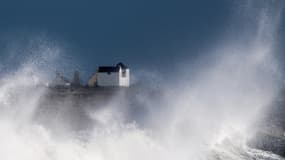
(206, 118)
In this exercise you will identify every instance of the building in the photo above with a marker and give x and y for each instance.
(92, 82)
(111, 76)
(76, 80)
(60, 81)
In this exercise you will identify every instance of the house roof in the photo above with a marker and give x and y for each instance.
(122, 65)
(112, 68)
(108, 69)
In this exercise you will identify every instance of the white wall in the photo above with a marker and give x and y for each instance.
(105, 79)
(114, 79)
(125, 81)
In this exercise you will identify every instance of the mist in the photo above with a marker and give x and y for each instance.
(206, 110)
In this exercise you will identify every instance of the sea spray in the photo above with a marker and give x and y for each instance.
(208, 117)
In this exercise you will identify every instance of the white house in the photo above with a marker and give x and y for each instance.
(111, 76)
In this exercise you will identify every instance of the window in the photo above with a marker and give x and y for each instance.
(124, 74)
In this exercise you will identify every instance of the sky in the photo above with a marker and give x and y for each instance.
(150, 34)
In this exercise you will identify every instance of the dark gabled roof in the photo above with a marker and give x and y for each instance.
(122, 65)
(108, 69)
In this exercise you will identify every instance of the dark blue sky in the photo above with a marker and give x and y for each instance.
(151, 34)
